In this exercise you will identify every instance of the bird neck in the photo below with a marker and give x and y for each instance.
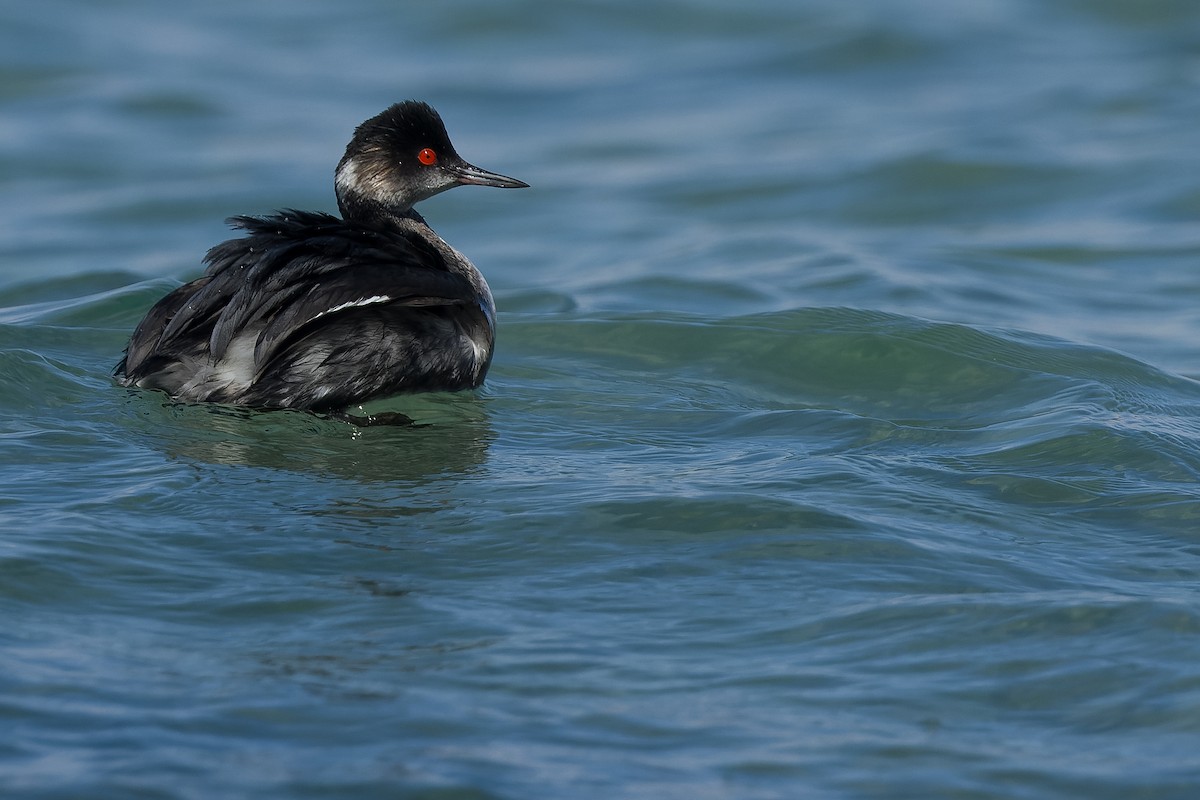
(371, 213)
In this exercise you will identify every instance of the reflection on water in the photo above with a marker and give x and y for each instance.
(449, 434)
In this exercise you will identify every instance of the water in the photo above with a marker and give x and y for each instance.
(842, 439)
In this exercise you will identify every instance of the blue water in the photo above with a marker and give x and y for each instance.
(842, 440)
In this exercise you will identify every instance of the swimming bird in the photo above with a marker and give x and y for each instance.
(307, 310)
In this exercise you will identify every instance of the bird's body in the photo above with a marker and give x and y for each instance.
(312, 311)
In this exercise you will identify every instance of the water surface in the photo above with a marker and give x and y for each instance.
(842, 438)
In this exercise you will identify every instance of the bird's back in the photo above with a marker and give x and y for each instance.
(309, 311)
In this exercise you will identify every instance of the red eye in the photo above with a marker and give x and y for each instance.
(427, 157)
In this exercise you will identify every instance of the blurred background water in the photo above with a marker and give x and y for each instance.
(842, 438)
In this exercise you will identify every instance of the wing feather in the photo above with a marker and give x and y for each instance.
(355, 287)
(147, 336)
(291, 274)
(294, 257)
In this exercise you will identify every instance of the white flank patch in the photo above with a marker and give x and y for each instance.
(236, 367)
(480, 351)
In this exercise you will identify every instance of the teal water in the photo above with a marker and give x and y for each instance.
(842, 441)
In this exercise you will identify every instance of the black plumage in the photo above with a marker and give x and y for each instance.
(307, 310)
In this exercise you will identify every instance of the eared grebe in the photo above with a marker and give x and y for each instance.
(311, 311)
